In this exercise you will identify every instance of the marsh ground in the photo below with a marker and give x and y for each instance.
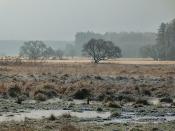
(145, 88)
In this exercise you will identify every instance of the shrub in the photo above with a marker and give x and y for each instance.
(52, 117)
(66, 115)
(136, 129)
(69, 128)
(113, 105)
(155, 129)
(115, 114)
(99, 109)
(14, 91)
(125, 98)
(40, 97)
(146, 92)
(98, 78)
(100, 97)
(167, 100)
(81, 94)
(47, 90)
(20, 99)
(108, 99)
(142, 102)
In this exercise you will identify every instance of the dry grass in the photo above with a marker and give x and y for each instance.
(110, 68)
(74, 69)
(3, 87)
(69, 128)
(17, 129)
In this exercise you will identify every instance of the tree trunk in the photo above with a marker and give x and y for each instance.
(96, 61)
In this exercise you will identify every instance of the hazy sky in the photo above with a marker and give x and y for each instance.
(61, 19)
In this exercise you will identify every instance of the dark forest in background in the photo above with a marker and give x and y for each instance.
(130, 43)
(159, 46)
(164, 49)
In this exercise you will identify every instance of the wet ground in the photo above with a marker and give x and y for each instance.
(121, 98)
(32, 109)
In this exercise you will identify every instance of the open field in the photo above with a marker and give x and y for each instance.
(138, 61)
(136, 95)
(133, 61)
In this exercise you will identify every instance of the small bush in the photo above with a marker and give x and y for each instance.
(47, 90)
(142, 102)
(20, 99)
(147, 92)
(81, 94)
(113, 105)
(108, 99)
(66, 115)
(40, 97)
(52, 117)
(125, 98)
(14, 91)
(167, 100)
(99, 109)
(115, 114)
(136, 129)
(69, 128)
(100, 97)
(155, 129)
(98, 78)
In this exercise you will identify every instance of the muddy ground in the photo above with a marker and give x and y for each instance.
(85, 96)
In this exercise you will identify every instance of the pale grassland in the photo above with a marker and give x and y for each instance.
(137, 61)
(86, 67)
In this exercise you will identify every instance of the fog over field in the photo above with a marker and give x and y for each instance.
(87, 65)
(61, 20)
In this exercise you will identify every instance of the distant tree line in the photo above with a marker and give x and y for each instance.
(164, 49)
(98, 49)
(130, 43)
(34, 50)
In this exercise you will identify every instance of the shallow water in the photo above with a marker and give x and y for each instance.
(39, 114)
(154, 101)
(124, 118)
(86, 114)
(132, 118)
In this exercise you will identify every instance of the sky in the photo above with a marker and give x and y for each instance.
(61, 19)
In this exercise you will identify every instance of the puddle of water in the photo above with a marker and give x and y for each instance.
(51, 101)
(29, 102)
(124, 118)
(154, 101)
(79, 102)
(132, 118)
(39, 114)
(56, 100)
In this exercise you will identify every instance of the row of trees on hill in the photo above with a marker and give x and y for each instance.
(164, 49)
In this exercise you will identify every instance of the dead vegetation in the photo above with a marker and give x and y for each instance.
(103, 82)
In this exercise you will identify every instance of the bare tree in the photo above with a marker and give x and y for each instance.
(59, 53)
(49, 52)
(101, 50)
(150, 51)
(70, 50)
(33, 49)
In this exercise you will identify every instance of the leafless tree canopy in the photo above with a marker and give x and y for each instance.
(101, 50)
(34, 50)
